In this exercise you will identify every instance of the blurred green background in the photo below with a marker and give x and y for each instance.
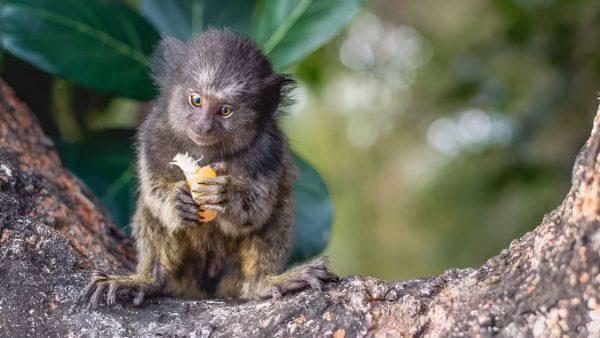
(443, 129)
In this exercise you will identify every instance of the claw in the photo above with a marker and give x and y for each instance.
(87, 292)
(192, 208)
(111, 295)
(96, 299)
(189, 216)
(98, 275)
(314, 283)
(276, 293)
(185, 197)
(139, 298)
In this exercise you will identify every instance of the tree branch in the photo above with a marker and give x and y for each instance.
(52, 231)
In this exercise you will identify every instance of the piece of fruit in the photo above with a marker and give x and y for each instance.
(194, 174)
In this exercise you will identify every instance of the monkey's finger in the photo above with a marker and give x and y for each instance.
(276, 293)
(184, 189)
(139, 298)
(314, 283)
(191, 208)
(87, 292)
(330, 278)
(208, 189)
(215, 180)
(185, 197)
(216, 207)
(99, 276)
(219, 167)
(212, 198)
(293, 285)
(97, 296)
(189, 216)
(327, 276)
(111, 295)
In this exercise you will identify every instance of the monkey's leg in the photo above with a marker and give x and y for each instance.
(158, 255)
(313, 274)
(261, 280)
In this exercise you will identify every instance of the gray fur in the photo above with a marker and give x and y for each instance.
(241, 253)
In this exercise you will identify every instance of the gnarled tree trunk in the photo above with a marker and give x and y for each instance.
(52, 231)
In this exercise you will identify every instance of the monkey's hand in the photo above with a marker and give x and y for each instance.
(214, 193)
(187, 209)
(243, 205)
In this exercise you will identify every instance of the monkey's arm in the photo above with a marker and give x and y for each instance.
(170, 202)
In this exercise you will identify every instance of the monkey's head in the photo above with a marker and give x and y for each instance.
(218, 89)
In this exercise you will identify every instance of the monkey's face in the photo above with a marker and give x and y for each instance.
(208, 118)
(212, 118)
(220, 89)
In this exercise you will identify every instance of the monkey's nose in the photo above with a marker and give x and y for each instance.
(204, 127)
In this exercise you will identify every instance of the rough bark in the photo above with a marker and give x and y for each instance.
(52, 231)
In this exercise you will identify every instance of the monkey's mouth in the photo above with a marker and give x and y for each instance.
(203, 140)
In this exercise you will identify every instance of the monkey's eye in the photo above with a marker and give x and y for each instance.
(196, 100)
(225, 111)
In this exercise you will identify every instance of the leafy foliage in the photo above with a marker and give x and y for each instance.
(105, 46)
(183, 18)
(314, 213)
(102, 45)
(290, 30)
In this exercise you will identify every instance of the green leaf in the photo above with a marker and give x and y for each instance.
(178, 18)
(103, 45)
(235, 14)
(290, 30)
(183, 18)
(104, 161)
(314, 214)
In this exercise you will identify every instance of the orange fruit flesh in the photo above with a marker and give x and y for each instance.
(202, 173)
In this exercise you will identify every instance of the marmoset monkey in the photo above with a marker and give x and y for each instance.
(218, 98)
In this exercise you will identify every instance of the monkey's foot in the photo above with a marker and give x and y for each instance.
(313, 274)
(104, 289)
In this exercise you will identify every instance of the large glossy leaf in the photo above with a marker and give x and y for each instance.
(104, 161)
(290, 30)
(314, 213)
(183, 18)
(178, 18)
(101, 44)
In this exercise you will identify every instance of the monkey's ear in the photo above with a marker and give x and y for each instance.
(165, 59)
(279, 88)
